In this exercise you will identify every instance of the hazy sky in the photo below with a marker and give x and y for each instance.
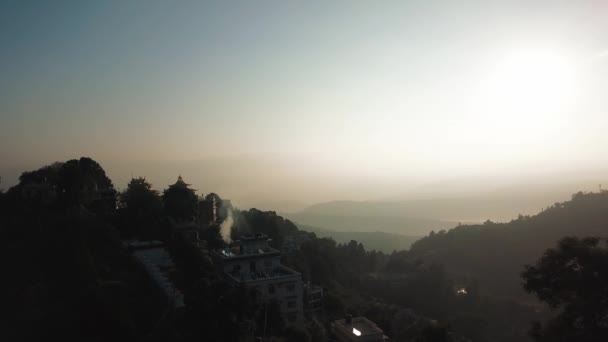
(381, 94)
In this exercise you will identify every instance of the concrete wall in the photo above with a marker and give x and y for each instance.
(287, 291)
(266, 264)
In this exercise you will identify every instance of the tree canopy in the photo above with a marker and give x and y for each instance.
(495, 253)
(572, 278)
(141, 207)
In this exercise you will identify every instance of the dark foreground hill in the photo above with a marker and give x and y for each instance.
(494, 253)
(63, 230)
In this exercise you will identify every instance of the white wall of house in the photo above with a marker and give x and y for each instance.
(286, 289)
(240, 265)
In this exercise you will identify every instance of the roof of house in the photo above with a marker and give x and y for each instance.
(361, 325)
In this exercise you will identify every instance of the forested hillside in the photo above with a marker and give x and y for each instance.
(403, 293)
(495, 253)
(64, 229)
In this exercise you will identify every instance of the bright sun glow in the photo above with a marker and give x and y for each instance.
(527, 94)
(532, 81)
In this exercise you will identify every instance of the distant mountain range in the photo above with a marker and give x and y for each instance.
(492, 253)
(360, 223)
(419, 217)
(379, 241)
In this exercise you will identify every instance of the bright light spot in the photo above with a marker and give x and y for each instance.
(526, 95)
(356, 332)
(461, 291)
(531, 80)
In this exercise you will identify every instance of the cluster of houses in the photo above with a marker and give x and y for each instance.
(257, 266)
(252, 263)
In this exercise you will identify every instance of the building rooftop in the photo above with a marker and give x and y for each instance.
(360, 327)
(249, 245)
(278, 272)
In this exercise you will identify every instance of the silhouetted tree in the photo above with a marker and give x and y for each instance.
(265, 222)
(77, 182)
(141, 207)
(574, 279)
(84, 182)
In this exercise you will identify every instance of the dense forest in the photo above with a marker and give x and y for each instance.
(68, 274)
(493, 253)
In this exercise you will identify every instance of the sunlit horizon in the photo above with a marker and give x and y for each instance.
(340, 102)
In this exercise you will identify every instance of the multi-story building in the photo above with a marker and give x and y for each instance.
(358, 329)
(257, 266)
(313, 299)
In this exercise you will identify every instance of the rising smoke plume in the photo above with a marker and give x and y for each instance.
(226, 226)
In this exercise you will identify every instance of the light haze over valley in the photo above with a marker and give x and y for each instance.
(304, 171)
(407, 105)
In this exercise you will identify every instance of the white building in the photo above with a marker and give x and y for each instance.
(313, 299)
(256, 265)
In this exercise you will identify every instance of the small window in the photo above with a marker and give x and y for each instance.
(252, 266)
(236, 268)
(291, 287)
(291, 304)
(268, 263)
(292, 317)
(271, 289)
